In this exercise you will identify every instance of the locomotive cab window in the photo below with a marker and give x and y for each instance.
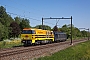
(33, 31)
(28, 32)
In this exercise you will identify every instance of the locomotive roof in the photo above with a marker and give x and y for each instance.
(59, 32)
(34, 29)
(31, 29)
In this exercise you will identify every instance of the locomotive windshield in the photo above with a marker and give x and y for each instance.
(28, 32)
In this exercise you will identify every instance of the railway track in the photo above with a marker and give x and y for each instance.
(14, 51)
(6, 49)
(19, 47)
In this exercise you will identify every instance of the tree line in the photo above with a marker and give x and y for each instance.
(67, 29)
(12, 27)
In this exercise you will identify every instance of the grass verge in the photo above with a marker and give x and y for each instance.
(80, 51)
(10, 43)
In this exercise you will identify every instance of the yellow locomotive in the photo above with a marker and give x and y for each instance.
(31, 36)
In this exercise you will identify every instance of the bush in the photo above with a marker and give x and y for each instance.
(10, 43)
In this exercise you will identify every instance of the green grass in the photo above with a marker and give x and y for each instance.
(76, 38)
(9, 45)
(80, 51)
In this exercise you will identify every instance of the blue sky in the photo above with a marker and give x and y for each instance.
(36, 9)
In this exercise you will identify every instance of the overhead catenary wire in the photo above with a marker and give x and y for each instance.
(24, 15)
(25, 6)
(28, 17)
(16, 9)
(23, 9)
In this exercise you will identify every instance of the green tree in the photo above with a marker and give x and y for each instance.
(3, 32)
(10, 32)
(5, 19)
(65, 28)
(17, 19)
(45, 27)
(84, 33)
(24, 23)
(75, 31)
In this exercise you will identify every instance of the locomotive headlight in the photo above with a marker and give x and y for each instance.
(23, 41)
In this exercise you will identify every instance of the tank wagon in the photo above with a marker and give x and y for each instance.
(30, 36)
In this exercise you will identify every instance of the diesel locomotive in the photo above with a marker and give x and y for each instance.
(30, 36)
